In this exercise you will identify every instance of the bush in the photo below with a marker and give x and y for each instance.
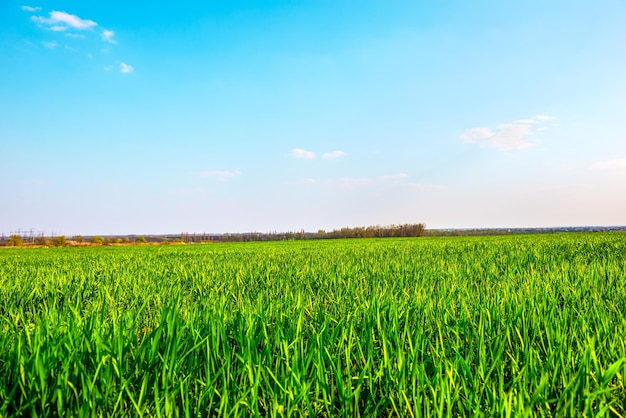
(141, 239)
(15, 241)
(78, 238)
(97, 240)
(59, 241)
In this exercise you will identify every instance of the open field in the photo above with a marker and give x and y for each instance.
(517, 325)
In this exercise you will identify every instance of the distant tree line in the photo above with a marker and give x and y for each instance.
(405, 230)
(15, 240)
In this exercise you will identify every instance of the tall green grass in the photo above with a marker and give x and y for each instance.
(492, 326)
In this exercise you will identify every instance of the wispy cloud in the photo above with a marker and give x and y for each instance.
(107, 35)
(507, 136)
(125, 68)
(307, 181)
(618, 164)
(475, 135)
(74, 35)
(302, 154)
(352, 183)
(397, 176)
(334, 154)
(57, 19)
(427, 187)
(50, 45)
(221, 175)
(30, 9)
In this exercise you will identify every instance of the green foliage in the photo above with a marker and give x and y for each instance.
(41, 241)
(15, 241)
(96, 240)
(78, 238)
(59, 241)
(496, 326)
(141, 239)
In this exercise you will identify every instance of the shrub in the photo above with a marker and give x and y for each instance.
(59, 241)
(97, 240)
(15, 241)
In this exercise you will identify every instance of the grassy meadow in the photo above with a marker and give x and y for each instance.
(530, 325)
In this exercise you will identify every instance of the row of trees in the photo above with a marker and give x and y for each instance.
(61, 241)
(405, 230)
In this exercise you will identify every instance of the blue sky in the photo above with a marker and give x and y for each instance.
(140, 117)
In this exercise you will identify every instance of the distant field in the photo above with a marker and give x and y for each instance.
(532, 325)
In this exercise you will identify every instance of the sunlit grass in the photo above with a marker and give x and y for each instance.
(500, 326)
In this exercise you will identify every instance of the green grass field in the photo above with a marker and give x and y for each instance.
(494, 326)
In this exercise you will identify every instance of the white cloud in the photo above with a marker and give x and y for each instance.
(30, 9)
(618, 164)
(398, 176)
(125, 68)
(74, 35)
(334, 154)
(508, 136)
(107, 35)
(302, 154)
(50, 45)
(475, 135)
(391, 183)
(61, 18)
(353, 183)
(221, 175)
(427, 187)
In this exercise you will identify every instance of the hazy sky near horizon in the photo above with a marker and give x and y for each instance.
(148, 117)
